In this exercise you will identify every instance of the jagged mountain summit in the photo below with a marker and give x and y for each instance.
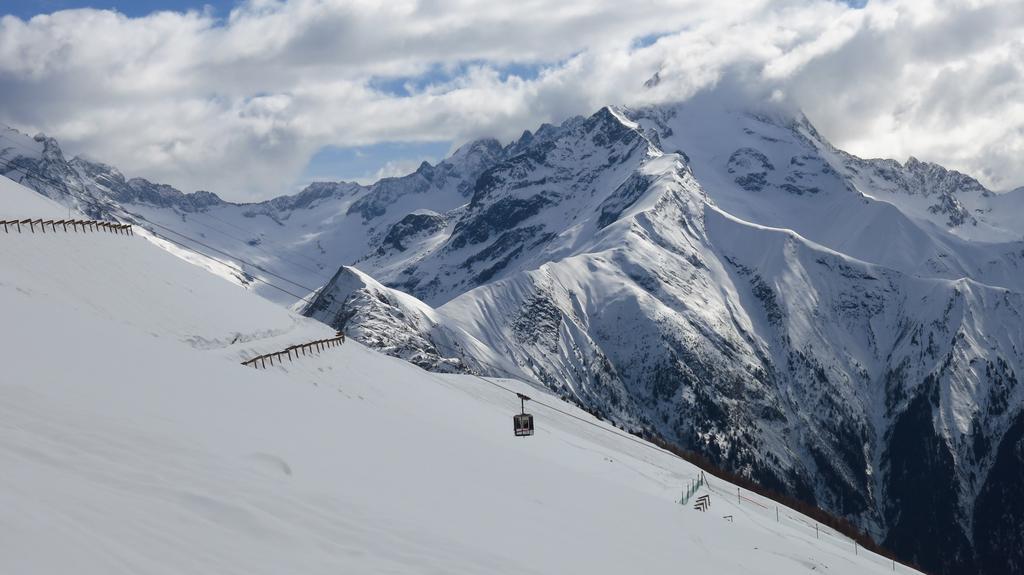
(844, 330)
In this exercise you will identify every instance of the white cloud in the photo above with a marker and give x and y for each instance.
(394, 169)
(239, 106)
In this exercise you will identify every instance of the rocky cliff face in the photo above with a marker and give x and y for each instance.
(848, 331)
(385, 319)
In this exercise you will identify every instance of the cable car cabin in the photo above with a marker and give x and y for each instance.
(523, 424)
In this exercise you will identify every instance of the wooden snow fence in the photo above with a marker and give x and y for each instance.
(294, 352)
(31, 226)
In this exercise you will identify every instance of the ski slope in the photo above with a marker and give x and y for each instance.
(132, 441)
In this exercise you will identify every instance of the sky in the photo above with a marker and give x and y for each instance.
(254, 98)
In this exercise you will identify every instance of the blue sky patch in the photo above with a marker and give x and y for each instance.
(405, 86)
(26, 9)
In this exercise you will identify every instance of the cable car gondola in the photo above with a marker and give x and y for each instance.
(523, 422)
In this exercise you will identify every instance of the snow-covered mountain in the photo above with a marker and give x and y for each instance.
(844, 330)
(134, 441)
(304, 237)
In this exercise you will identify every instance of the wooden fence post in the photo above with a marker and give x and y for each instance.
(321, 345)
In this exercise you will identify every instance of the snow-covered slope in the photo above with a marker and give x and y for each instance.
(17, 205)
(133, 442)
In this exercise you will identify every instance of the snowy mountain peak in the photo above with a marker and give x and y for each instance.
(388, 320)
